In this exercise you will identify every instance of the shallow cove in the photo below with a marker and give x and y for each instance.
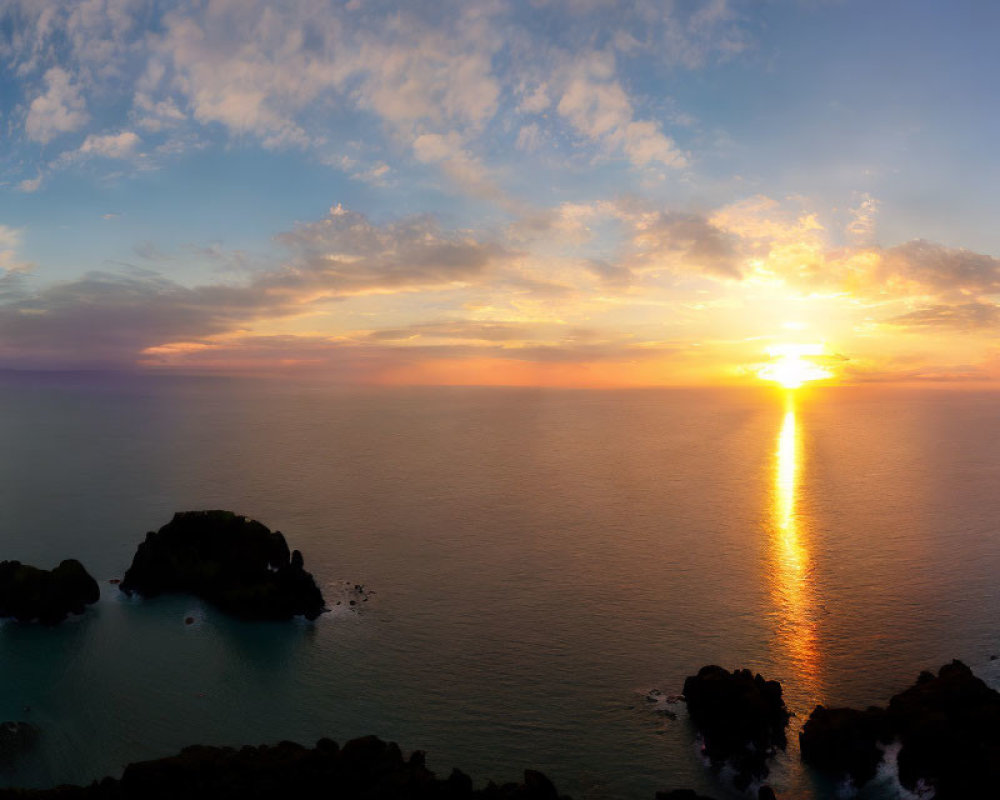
(541, 559)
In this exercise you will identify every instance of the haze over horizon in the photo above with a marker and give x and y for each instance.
(566, 192)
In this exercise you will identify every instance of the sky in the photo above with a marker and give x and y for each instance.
(544, 192)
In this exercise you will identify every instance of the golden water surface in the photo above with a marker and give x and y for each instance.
(792, 584)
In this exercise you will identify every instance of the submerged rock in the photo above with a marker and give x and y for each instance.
(28, 593)
(235, 563)
(948, 727)
(362, 768)
(742, 718)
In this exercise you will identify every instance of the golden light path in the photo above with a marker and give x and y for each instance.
(792, 587)
(793, 367)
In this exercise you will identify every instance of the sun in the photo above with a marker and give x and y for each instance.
(792, 366)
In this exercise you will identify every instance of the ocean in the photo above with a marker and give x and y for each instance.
(539, 561)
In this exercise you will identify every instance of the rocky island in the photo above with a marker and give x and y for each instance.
(947, 726)
(234, 563)
(28, 593)
(742, 718)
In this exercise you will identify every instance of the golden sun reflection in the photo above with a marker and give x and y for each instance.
(793, 367)
(791, 577)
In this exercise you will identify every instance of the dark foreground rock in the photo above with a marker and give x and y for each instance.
(235, 563)
(742, 718)
(28, 593)
(948, 727)
(362, 768)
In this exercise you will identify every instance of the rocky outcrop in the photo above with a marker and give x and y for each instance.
(948, 727)
(844, 742)
(741, 717)
(362, 768)
(28, 593)
(235, 563)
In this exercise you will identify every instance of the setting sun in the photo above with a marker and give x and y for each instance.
(792, 367)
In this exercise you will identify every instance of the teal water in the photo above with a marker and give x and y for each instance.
(541, 559)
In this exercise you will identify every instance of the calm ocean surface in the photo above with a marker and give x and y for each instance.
(541, 560)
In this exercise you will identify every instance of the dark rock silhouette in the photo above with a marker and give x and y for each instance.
(15, 738)
(845, 741)
(235, 563)
(681, 794)
(742, 718)
(362, 768)
(948, 727)
(28, 593)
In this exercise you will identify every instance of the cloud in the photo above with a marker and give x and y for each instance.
(29, 185)
(462, 329)
(861, 228)
(922, 266)
(10, 242)
(345, 254)
(686, 242)
(109, 318)
(111, 145)
(529, 138)
(296, 74)
(60, 109)
(964, 317)
(598, 107)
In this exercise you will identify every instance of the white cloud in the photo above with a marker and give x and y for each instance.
(111, 145)
(60, 109)
(599, 108)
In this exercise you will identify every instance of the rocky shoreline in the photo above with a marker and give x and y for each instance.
(362, 769)
(944, 729)
(947, 727)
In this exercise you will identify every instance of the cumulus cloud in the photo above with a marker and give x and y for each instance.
(60, 109)
(598, 107)
(453, 75)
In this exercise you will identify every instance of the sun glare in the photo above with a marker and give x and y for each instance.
(792, 367)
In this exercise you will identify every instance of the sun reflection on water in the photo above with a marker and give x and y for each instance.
(791, 578)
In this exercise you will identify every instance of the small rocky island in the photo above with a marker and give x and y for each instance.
(742, 718)
(28, 593)
(947, 726)
(234, 563)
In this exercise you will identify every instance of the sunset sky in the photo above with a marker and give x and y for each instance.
(557, 192)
